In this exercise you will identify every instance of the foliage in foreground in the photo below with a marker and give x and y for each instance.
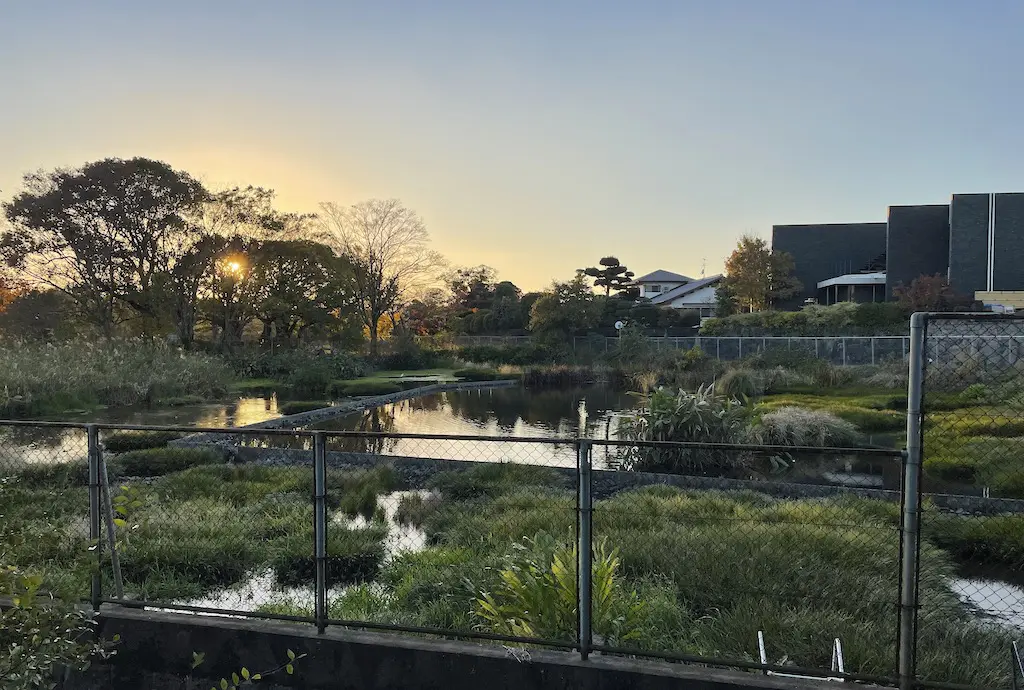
(41, 638)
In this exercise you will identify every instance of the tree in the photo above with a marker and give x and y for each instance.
(569, 308)
(387, 245)
(756, 276)
(472, 288)
(928, 293)
(102, 233)
(611, 275)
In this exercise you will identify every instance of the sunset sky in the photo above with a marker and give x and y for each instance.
(536, 137)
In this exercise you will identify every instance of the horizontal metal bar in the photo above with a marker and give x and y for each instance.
(29, 422)
(226, 431)
(971, 316)
(558, 440)
(746, 665)
(443, 632)
(184, 608)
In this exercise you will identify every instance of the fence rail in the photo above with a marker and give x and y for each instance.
(682, 551)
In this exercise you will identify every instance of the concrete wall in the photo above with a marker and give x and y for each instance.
(1009, 242)
(917, 243)
(968, 243)
(156, 650)
(825, 251)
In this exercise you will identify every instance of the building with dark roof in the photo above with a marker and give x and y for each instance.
(974, 241)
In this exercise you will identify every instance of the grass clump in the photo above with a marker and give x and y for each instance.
(300, 406)
(121, 441)
(414, 509)
(353, 556)
(795, 426)
(739, 384)
(490, 480)
(53, 475)
(155, 462)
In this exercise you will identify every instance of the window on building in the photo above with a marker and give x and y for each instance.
(653, 289)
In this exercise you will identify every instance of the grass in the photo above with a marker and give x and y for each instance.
(121, 441)
(353, 556)
(870, 412)
(414, 509)
(300, 406)
(156, 462)
(491, 479)
(41, 379)
(247, 387)
(362, 387)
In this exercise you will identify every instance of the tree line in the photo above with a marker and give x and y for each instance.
(135, 247)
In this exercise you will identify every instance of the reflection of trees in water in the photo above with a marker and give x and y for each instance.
(428, 403)
(375, 420)
(45, 437)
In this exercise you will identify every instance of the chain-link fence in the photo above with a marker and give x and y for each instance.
(715, 554)
(971, 564)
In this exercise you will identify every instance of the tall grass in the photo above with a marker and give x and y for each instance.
(43, 378)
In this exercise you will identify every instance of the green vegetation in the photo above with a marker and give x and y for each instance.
(365, 387)
(414, 509)
(795, 426)
(299, 406)
(40, 379)
(121, 441)
(845, 319)
(156, 462)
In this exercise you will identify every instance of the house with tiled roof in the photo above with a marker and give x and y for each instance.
(668, 289)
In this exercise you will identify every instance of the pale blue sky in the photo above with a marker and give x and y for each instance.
(536, 136)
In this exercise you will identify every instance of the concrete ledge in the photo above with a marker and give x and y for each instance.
(157, 643)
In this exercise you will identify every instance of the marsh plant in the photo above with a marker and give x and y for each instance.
(796, 426)
(679, 415)
(536, 594)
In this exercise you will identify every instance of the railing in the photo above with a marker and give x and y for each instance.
(428, 534)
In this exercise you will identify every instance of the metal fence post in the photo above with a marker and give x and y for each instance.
(584, 549)
(320, 527)
(911, 519)
(872, 350)
(96, 590)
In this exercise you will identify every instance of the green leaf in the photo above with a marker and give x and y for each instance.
(245, 673)
(198, 658)
(119, 522)
(235, 679)
(257, 676)
(289, 669)
(291, 655)
(223, 684)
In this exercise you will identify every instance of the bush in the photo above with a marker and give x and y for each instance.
(300, 406)
(779, 379)
(282, 364)
(121, 441)
(154, 462)
(54, 474)
(701, 416)
(846, 319)
(369, 387)
(516, 355)
(738, 384)
(795, 426)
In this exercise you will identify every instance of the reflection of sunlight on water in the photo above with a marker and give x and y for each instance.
(243, 412)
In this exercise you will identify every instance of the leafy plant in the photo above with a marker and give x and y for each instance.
(243, 677)
(41, 637)
(536, 594)
(700, 416)
(795, 426)
(739, 384)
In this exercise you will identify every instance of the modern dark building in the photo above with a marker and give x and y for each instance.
(976, 241)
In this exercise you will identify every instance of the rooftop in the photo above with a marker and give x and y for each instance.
(693, 286)
(661, 276)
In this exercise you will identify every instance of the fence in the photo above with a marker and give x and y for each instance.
(708, 553)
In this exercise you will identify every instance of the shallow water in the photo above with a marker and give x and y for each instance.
(997, 594)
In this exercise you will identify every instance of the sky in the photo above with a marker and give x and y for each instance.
(535, 136)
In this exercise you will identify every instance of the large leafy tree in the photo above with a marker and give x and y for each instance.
(610, 275)
(756, 276)
(569, 308)
(472, 288)
(929, 293)
(388, 246)
(102, 233)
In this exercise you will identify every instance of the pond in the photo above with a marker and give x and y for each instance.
(54, 444)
